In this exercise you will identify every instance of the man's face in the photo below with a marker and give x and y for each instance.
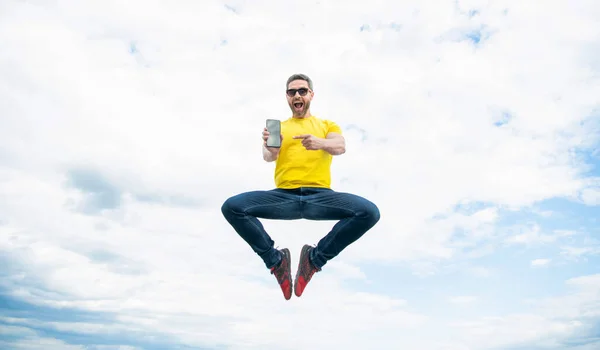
(299, 96)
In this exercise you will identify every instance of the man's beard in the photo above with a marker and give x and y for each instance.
(302, 110)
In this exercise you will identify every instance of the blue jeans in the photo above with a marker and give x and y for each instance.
(356, 216)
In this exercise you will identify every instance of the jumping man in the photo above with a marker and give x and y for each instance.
(302, 191)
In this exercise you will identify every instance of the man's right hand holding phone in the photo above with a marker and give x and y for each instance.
(269, 153)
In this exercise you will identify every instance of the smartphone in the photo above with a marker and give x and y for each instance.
(274, 129)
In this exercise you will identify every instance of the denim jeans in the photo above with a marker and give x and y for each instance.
(355, 215)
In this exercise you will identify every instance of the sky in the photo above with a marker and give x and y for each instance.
(473, 125)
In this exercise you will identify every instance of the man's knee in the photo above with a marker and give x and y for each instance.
(372, 212)
(369, 212)
(230, 205)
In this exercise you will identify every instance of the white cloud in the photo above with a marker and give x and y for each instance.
(575, 252)
(503, 332)
(28, 339)
(531, 235)
(551, 322)
(540, 262)
(155, 106)
(591, 196)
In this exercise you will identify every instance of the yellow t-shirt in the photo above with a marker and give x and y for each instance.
(298, 167)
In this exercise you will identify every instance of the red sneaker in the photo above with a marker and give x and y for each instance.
(305, 270)
(283, 273)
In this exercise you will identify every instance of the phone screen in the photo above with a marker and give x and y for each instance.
(274, 129)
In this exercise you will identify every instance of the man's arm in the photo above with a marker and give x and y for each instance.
(334, 143)
(269, 156)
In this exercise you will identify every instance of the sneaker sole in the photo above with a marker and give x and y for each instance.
(288, 256)
(305, 250)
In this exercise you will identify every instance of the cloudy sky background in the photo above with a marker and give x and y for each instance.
(472, 124)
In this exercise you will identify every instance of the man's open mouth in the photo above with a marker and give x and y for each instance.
(298, 105)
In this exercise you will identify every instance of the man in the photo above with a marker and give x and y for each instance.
(303, 191)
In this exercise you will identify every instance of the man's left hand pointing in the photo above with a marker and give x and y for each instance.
(310, 142)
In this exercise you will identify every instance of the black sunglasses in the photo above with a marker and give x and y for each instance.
(301, 91)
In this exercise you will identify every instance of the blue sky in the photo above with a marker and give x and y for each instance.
(473, 125)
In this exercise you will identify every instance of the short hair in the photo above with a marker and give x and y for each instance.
(299, 77)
